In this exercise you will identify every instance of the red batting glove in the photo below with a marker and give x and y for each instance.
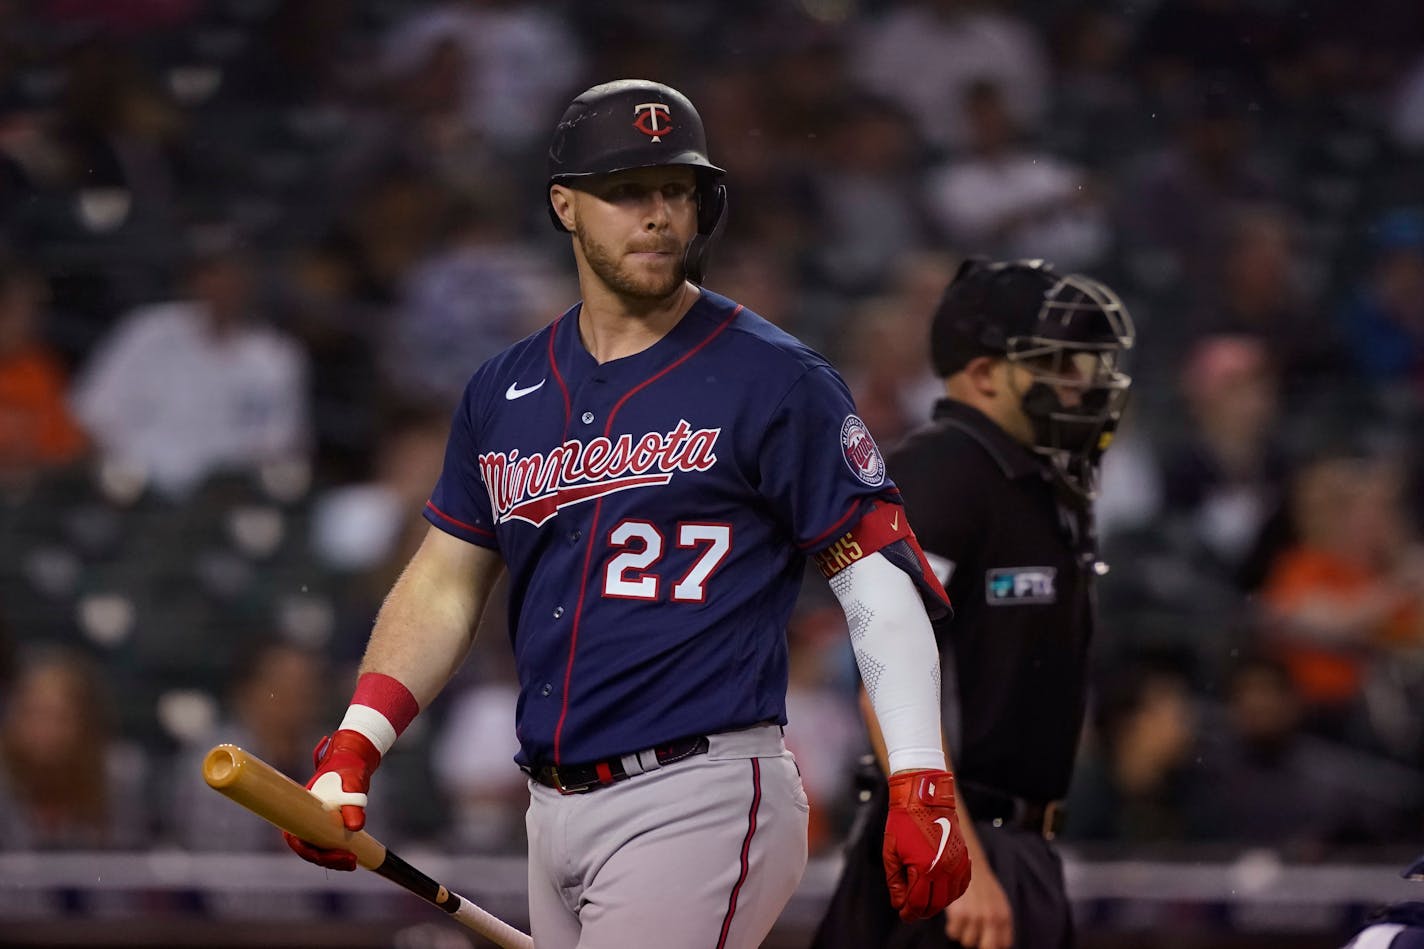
(344, 763)
(926, 863)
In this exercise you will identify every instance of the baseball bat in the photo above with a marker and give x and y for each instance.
(276, 798)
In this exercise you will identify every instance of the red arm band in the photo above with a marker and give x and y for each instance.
(884, 529)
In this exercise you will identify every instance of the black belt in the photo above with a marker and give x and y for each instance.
(582, 778)
(1000, 809)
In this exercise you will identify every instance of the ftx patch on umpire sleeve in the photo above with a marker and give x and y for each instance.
(1015, 586)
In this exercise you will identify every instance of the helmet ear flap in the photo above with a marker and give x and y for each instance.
(711, 216)
(711, 205)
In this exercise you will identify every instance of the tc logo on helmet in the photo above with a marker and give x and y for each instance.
(653, 119)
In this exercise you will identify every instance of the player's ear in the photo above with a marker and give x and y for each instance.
(561, 198)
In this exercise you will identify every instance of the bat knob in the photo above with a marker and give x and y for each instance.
(221, 765)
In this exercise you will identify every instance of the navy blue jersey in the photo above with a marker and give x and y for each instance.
(655, 513)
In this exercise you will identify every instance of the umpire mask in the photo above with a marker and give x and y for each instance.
(1070, 333)
(1082, 332)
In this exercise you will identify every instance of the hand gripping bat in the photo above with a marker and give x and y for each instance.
(276, 798)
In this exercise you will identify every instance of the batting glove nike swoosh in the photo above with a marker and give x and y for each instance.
(344, 763)
(926, 863)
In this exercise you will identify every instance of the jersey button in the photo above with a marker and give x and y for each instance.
(558, 611)
(588, 418)
(574, 535)
(547, 688)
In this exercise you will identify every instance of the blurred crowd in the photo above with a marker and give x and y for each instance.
(251, 251)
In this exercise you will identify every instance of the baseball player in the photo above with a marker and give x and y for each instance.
(653, 469)
(1001, 484)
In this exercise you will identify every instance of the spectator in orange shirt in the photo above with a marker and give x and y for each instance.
(36, 429)
(1351, 591)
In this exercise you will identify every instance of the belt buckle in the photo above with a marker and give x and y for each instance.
(559, 783)
(1053, 818)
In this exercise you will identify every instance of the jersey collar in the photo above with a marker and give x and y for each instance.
(1014, 459)
(684, 334)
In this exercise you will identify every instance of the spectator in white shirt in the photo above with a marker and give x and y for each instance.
(184, 388)
(1006, 200)
(522, 57)
(924, 54)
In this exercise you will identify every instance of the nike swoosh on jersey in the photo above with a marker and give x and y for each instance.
(514, 392)
(943, 839)
(895, 524)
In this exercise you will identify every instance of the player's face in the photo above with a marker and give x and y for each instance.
(633, 227)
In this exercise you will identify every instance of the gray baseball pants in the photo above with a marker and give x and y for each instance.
(702, 853)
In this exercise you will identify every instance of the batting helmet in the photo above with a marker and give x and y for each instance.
(1069, 331)
(635, 123)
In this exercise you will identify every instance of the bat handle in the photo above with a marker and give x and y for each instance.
(460, 908)
(491, 926)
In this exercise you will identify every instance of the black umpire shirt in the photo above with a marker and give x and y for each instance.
(1019, 548)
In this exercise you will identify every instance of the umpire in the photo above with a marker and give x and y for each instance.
(1000, 486)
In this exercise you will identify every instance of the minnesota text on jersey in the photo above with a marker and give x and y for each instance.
(533, 488)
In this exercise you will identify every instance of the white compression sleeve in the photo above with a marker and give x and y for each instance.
(899, 661)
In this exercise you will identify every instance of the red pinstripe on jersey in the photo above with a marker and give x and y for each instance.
(850, 512)
(458, 523)
(558, 376)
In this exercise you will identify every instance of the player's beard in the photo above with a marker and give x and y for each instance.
(621, 279)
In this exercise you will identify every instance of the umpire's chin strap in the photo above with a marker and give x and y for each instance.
(694, 259)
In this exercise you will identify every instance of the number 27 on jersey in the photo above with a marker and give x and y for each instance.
(632, 573)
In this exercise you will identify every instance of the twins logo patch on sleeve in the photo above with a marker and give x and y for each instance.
(861, 452)
(1015, 586)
